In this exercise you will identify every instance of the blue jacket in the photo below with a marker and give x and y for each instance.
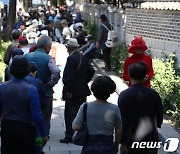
(40, 87)
(19, 101)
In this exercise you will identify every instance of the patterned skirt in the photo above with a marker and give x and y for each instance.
(99, 144)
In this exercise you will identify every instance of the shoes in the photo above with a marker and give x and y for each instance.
(66, 140)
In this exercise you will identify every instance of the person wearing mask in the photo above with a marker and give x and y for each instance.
(8, 53)
(137, 49)
(23, 44)
(48, 73)
(101, 39)
(101, 120)
(89, 49)
(77, 74)
(20, 111)
(141, 112)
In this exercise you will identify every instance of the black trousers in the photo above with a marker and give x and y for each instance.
(106, 56)
(17, 137)
(47, 112)
(70, 112)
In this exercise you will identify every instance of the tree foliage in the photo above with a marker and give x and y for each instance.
(11, 19)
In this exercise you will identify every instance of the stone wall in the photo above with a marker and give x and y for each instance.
(159, 28)
(92, 12)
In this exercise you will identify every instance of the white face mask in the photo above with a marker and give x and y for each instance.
(86, 39)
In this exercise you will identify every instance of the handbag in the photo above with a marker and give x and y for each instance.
(80, 137)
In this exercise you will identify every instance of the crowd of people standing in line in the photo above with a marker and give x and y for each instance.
(49, 45)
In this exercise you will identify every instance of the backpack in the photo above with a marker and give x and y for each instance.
(112, 38)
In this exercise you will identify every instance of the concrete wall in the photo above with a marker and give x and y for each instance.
(159, 28)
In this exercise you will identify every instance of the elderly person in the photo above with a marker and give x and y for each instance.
(20, 111)
(102, 118)
(48, 73)
(141, 112)
(77, 74)
(57, 29)
(66, 33)
(137, 49)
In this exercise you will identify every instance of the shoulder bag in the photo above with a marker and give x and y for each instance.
(80, 137)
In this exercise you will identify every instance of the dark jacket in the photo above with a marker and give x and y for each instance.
(103, 33)
(8, 53)
(77, 76)
(19, 102)
(40, 87)
(140, 106)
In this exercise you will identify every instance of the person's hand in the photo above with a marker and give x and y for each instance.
(45, 139)
(123, 149)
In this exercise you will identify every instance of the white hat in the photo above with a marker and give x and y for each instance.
(32, 35)
(34, 21)
(73, 15)
(26, 14)
(44, 32)
(72, 42)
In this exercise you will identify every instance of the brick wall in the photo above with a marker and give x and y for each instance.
(160, 29)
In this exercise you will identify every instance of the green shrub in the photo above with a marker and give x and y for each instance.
(3, 47)
(92, 29)
(167, 83)
(118, 57)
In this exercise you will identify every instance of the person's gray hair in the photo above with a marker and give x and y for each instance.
(57, 24)
(43, 41)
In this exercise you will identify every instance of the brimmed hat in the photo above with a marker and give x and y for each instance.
(138, 42)
(72, 42)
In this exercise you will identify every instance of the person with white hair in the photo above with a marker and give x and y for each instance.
(66, 31)
(57, 29)
(48, 73)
